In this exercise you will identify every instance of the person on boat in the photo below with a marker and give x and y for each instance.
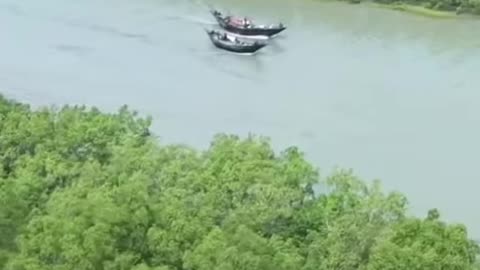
(237, 21)
(246, 22)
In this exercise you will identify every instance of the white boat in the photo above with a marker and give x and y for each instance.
(258, 37)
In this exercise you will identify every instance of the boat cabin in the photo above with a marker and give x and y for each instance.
(244, 22)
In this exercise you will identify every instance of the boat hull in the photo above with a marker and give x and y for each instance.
(232, 46)
(251, 37)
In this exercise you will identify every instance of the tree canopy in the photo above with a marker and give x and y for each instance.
(82, 189)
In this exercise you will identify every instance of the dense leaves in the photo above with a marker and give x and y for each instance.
(81, 189)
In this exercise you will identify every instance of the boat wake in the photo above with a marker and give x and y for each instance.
(199, 20)
(192, 19)
(245, 54)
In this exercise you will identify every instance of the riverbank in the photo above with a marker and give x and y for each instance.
(417, 10)
(433, 9)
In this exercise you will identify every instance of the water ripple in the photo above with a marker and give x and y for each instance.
(75, 49)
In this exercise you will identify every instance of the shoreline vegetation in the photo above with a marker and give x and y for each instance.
(88, 190)
(417, 10)
(445, 9)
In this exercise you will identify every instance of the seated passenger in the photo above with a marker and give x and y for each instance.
(246, 22)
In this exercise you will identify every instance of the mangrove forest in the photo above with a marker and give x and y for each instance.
(89, 190)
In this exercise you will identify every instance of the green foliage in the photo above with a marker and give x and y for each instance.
(430, 8)
(427, 244)
(82, 189)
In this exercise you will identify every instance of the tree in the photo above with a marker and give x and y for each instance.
(82, 189)
(425, 244)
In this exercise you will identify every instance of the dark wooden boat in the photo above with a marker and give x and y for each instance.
(231, 43)
(245, 27)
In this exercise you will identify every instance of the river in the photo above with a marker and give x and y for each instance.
(391, 95)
